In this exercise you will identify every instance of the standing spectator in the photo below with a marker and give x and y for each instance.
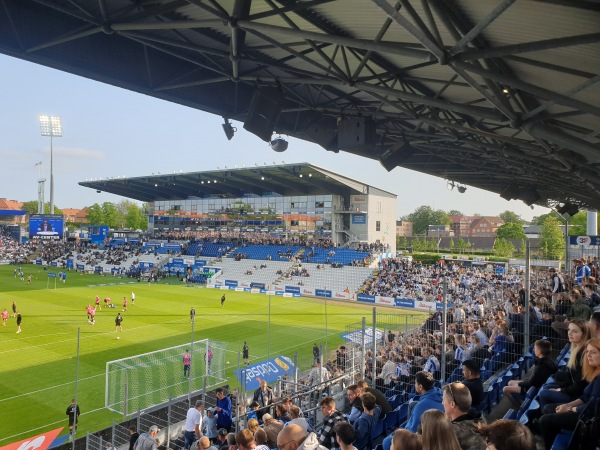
(316, 353)
(432, 364)
(210, 425)
(223, 410)
(331, 417)
(187, 361)
(558, 284)
(317, 376)
(438, 433)
(193, 424)
(73, 413)
(134, 435)
(147, 441)
(578, 310)
(264, 397)
(245, 353)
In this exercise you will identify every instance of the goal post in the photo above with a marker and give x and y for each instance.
(146, 380)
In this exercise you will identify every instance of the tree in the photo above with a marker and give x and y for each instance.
(451, 243)
(455, 212)
(578, 224)
(510, 230)
(461, 245)
(510, 217)
(504, 248)
(133, 215)
(111, 214)
(552, 240)
(539, 220)
(95, 215)
(401, 242)
(32, 207)
(424, 216)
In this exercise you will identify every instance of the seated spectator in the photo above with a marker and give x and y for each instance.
(432, 364)
(293, 437)
(260, 437)
(543, 368)
(472, 380)
(272, 427)
(565, 416)
(430, 398)
(438, 433)
(366, 422)
(331, 417)
(380, 399)
(457, 407)
(282, 413)
(354, 404)
(405, 440)
(568, 383)
(294, 413)
(507, 435)
(578, 310)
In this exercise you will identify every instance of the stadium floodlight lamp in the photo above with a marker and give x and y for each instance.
(228, 129)
(51, 126)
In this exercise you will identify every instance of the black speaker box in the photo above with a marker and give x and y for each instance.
(356, 133)
(264, 111)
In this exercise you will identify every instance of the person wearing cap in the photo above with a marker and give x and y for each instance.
(193, 424)
(147, 441)
(471, 379)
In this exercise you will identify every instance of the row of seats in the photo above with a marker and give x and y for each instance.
(274, 252)
(343, 256)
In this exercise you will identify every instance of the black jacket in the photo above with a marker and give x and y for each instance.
(543, 368)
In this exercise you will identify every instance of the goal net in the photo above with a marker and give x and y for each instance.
(143, 381)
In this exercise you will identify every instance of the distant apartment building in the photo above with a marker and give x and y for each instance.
(8, 205)
(74, 215)
(439, 231)
(475, 226)
(404, 228)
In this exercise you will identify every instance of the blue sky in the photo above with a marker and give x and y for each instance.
(109, 132)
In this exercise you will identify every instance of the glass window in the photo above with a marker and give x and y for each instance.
(378, 225)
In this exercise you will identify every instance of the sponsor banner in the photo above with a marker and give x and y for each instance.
(425, 306)
(98, 269)
(385, 301)
(247, 289)
(366, 298)
(245, 284)
(115, 270)
(358, 199)
(359, 219)
(80, 266)
(232, 283)
(273, 292)
(239, 289)
(190, 261)
(54, 264)
(51, 274)
(278, 293)
(38, 262)
(292, 289)
(39, 442)
(255, 290)
(257, 285)
(224, 288)
(288, 294)
(270, 370)
(176, 260)
(323, 293)
(70, 263)
(146, 265)
(405, 303)
(585, 241)
(341, 295)
(307, 291)
(356, 336)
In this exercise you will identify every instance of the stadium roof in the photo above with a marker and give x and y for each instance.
(500, 95)
(286, 179)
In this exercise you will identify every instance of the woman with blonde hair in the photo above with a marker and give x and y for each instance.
(405, 440)
(568, 382)
(438, 433)
(252, 425)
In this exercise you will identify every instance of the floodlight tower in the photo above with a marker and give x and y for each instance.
(41, 188)
(51, 126)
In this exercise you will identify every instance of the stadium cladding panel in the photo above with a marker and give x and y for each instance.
(279, 199)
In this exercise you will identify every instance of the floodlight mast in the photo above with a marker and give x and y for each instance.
(51, 126)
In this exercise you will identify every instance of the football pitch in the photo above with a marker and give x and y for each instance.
(38, 370)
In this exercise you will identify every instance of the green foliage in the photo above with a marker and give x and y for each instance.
(511, 230)
(401, 242)
(455, 212)
(552, 239)
(539, 220)
(94, 215)
(504, 248)
(424, 216)
(32, 207)
(426, 258)
(578, 224)
(125, 214)
(511, 217)
(451, 243)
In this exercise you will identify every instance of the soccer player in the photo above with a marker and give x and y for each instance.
(29, 279)
(133, 299)
(245, 352)
(222, 300)
(187, 360)
(14, 308)
(118, 321)
(192, 315)
(98, 302)
(88, 308)
(93, 316)
(19, 320)
(124, 303)
(4, 316)
(73, 412)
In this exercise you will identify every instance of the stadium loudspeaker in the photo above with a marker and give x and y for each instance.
(264, 111)
(356, 133)
(568, 208)
(395, 155)
(529, 196)
(322, 135)
(510, 192)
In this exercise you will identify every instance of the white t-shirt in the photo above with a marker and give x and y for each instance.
(192, 419)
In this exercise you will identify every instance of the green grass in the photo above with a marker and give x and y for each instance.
(38, 370)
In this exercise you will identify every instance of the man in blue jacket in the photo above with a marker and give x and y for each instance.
(366, 422)
(223, 410)
(430, 398)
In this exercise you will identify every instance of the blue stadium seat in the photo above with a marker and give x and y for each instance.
(561, 442)
(510, 415)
